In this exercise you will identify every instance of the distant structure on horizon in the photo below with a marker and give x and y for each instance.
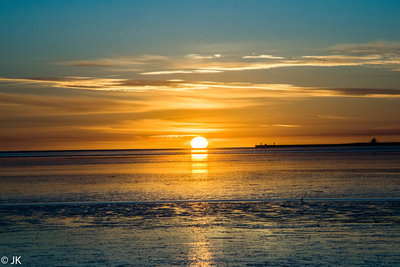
(261, 145)
(373, 141)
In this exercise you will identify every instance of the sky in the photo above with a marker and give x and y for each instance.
(155, 74)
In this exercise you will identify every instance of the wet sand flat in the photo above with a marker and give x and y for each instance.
(339, 233)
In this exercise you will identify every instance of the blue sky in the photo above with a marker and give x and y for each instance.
(54, 30)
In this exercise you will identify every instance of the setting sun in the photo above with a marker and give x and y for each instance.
(199, 142)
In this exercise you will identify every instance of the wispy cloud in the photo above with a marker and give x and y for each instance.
(383, 48)
(262, 56)
(68, 82)
(364, 92)
(197, 56)
(167, 72)
(344, 57)
(338, 60)
(286, 125)
(117, 61)
(234, 90)
(172, 135)
(376, 54)
(145, 126)
(333, 117)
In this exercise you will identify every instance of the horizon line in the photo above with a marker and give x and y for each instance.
(188, 148)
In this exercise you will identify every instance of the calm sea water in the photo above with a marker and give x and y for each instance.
(282, 206)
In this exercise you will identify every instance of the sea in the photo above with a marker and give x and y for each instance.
(280, 206)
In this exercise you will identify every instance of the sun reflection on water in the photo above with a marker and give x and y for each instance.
(199, 161)
(200, 253)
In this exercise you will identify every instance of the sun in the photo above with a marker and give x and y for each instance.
(199, 142)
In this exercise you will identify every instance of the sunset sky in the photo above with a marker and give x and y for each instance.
(155, 74)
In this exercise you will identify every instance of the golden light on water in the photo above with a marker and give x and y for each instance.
(200, 157)
(199, 142)
(199, 161)
(200, 253)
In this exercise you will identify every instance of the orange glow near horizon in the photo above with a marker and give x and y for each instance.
(152, 114)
